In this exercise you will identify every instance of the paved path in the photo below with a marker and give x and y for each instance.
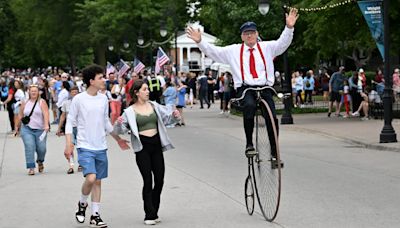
(327, 182)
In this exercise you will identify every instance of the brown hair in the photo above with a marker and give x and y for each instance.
(135, 88)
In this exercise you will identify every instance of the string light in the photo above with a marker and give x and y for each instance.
(314, 9)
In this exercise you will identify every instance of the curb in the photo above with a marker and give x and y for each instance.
(350, 141)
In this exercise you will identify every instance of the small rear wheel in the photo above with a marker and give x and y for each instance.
(249, 195)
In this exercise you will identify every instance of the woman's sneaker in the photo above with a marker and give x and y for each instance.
(80, 213)
(150, 222)
(96, 221)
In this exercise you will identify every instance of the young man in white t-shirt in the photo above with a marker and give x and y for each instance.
(89, 113)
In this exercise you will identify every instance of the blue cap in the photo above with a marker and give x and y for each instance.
(248, 26)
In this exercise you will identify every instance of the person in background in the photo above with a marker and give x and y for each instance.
(211, 84)
(203, 90)
(61, 126)
(364, 106)
(3, 92)
(117, 91)
(19, 97)
(396, 83)
(309, 85)
(220, 83)
(9, 102)
(170, 95)
(346, 97)
(32, 132)
(335, 86)
(181, 101)
(299, 89)
(379, 81)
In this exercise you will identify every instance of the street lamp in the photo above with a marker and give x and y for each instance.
(263, 6)
(286, 118)
(388, 134)
(110, 47)
(163, 30)
(140, 39)
(126, 44)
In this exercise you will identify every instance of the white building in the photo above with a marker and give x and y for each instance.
(188, 52)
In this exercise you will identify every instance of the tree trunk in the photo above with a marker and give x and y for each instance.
(100, 55)
(72, 63)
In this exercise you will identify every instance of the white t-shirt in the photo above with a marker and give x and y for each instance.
(19, 96)
(90, 115)
(62, 96)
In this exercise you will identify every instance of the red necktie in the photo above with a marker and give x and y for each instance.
(252, 64)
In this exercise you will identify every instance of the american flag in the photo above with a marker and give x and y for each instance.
(137, 66)
(162, 59)
(110, 69)
(123, 67)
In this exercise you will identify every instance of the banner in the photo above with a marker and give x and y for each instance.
(373, 14)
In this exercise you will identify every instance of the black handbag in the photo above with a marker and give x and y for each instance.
(25, 120)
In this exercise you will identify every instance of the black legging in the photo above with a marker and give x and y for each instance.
(11, 115)
(203, 96)
(250, 106)
(150, 161)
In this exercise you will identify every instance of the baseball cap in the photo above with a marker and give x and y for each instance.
(248, 26)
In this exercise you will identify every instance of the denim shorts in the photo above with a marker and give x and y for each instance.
(16, 109)
(93, 162)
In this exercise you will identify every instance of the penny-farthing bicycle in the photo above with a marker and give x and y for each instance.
(264, 168)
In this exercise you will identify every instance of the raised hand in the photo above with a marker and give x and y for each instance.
(193, 34)
(291, 18)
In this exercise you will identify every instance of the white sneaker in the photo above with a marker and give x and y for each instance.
(157, 220)
(150, 222)
(365, 118)
(355, 113)
(222, 112)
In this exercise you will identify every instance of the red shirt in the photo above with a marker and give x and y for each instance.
(127, 89)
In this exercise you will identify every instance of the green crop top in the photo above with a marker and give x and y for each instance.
(145, 122)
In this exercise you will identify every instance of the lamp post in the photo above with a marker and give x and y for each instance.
(388, 134)
(163, 33)
(286, 118)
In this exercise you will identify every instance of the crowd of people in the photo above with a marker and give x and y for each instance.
(354, 92)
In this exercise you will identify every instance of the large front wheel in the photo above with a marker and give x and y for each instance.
(267, 163)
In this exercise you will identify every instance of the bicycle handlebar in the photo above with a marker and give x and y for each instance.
(279, 95)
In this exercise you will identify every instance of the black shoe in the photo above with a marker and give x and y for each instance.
(96, 221)
(250, 151)
(80, 213)
(208, 106)
(201, 107)
(329, 114)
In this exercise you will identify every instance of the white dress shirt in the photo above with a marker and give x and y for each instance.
(231, 55)
(90, 115)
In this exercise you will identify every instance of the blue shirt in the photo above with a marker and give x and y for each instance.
(336, 81)
(4, 91)
(181, 97)
(309, 83)
(57, 87)
(170, 95)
